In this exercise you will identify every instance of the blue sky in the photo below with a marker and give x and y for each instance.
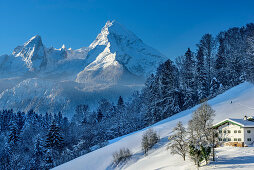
(171, 26)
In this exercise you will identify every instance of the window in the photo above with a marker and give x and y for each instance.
(224, 131)
(235, 139)
(239, 139)
(248, 131)
(229, 131)
(239, 131)
(235, 131)
(224, 139)
(248, 139)
(229, 139)
(220, 139)
(220, 131)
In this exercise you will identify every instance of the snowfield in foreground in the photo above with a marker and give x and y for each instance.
(242, 97)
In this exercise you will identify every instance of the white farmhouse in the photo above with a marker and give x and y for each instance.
(236, 132)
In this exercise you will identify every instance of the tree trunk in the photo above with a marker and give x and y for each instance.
(213, 148)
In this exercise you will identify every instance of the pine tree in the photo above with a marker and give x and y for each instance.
(14, 137)
(37, 161)
(189, 66)
(151, 96)
(120, 102)
(220, 63)
(20, 121)
(80, 114)
(168, 101)
(250, 54)
(201, 76)
(207, 43)
(106, 107)
(53, 144)
(189, 91)
(54, 139)
(99, 115)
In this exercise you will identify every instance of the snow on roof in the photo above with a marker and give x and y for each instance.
(240, 122)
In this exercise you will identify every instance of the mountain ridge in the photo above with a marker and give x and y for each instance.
(117, 59)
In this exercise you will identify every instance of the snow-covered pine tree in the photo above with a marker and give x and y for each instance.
(207, 43)
(189, 84)
(250, 54)
(20, 120)
(54, 137)
(106, 107)
(53, 142)
(235, 53)
(80, 114)
(189, 70)
(221, 63)
(38, 155)
(150, 97)
(14, 136)
(168, 102)
(202, 78)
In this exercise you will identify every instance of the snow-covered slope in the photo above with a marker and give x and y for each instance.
(119, 56)
(159, 158)
(11, 66)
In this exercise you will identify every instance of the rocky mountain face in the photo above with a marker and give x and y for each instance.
(32, 53)
(50, 78)
(120, 56)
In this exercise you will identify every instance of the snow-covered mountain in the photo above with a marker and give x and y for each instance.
(116, 62)
(159, 157)
(33, 59)
(120, 56)
(32, 53)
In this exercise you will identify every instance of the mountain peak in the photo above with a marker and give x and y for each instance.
(113, 31)
(34, 40)
(118, 55)
(63, 47)
(109, 23)
(32, 52)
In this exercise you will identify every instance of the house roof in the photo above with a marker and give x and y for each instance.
(240, 122)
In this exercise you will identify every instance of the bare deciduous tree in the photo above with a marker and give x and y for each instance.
(149, 139)
(201, 133)
(178, 141)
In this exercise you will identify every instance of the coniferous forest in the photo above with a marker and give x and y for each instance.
(42, 141)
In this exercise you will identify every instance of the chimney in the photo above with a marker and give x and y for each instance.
(245, 118)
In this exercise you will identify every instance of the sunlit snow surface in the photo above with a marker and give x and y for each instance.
(242, 97)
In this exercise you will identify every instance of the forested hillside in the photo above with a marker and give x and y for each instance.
(33, 141)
